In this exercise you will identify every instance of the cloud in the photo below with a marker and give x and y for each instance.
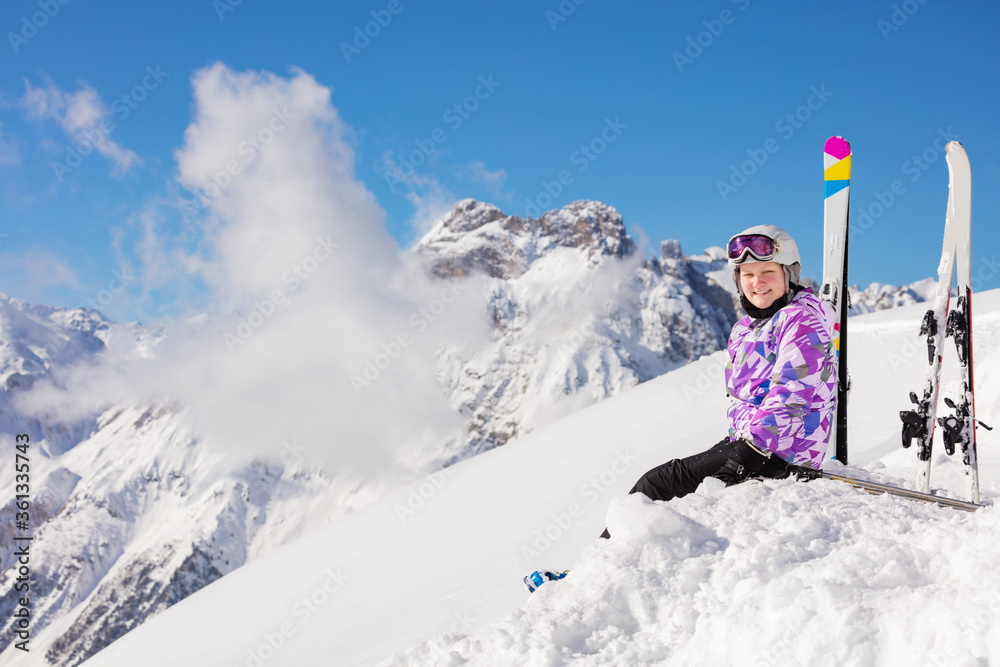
(476, 172)
(429, 197)
(83, 116)
(36, 270)
(312, 327)
(430, 201)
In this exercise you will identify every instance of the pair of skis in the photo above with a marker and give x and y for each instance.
(918, 424)
(959, 428)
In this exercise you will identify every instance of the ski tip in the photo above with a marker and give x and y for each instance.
(954, 147)
(836, 165)
(837, 147)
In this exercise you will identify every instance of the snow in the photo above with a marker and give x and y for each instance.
(138, 503)
(815, 574)
(773, 573)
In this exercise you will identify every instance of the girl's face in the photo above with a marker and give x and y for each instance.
(762, 282)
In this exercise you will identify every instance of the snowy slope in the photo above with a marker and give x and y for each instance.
(148, 515)
(762, 574)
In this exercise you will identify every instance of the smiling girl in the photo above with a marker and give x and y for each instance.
(781, 374)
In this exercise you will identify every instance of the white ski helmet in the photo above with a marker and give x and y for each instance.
(784, 252)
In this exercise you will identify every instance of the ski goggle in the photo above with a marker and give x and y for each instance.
(763, 248)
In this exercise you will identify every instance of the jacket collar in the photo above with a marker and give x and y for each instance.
(779, 303)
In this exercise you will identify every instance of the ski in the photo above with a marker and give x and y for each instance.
(836, 225)
(919, 422)
(960, 428)
(876, 488)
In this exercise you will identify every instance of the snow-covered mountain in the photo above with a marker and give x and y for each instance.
(130, 511)
(134, 509)
(152, 516)
(882, 297)
(776, 573)
(576, 313)
(35, 340)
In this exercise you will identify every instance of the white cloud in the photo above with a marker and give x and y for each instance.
(430, 198)
(83, 116)
(476, 172)
(35, 271)
(314, 331)
(430, 201)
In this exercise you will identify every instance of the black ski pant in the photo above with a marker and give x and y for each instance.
(679, 477)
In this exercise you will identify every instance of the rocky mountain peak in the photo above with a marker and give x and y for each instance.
(671, 249)
(468, 215)
(589, 224)
(478, 237)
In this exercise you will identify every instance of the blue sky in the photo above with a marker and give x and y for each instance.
(648, 107)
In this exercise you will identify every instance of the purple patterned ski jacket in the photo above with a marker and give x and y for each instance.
(782, 376)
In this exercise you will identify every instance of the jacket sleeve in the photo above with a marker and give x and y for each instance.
(788, 419)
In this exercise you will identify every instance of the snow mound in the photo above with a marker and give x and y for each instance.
(758, 575)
